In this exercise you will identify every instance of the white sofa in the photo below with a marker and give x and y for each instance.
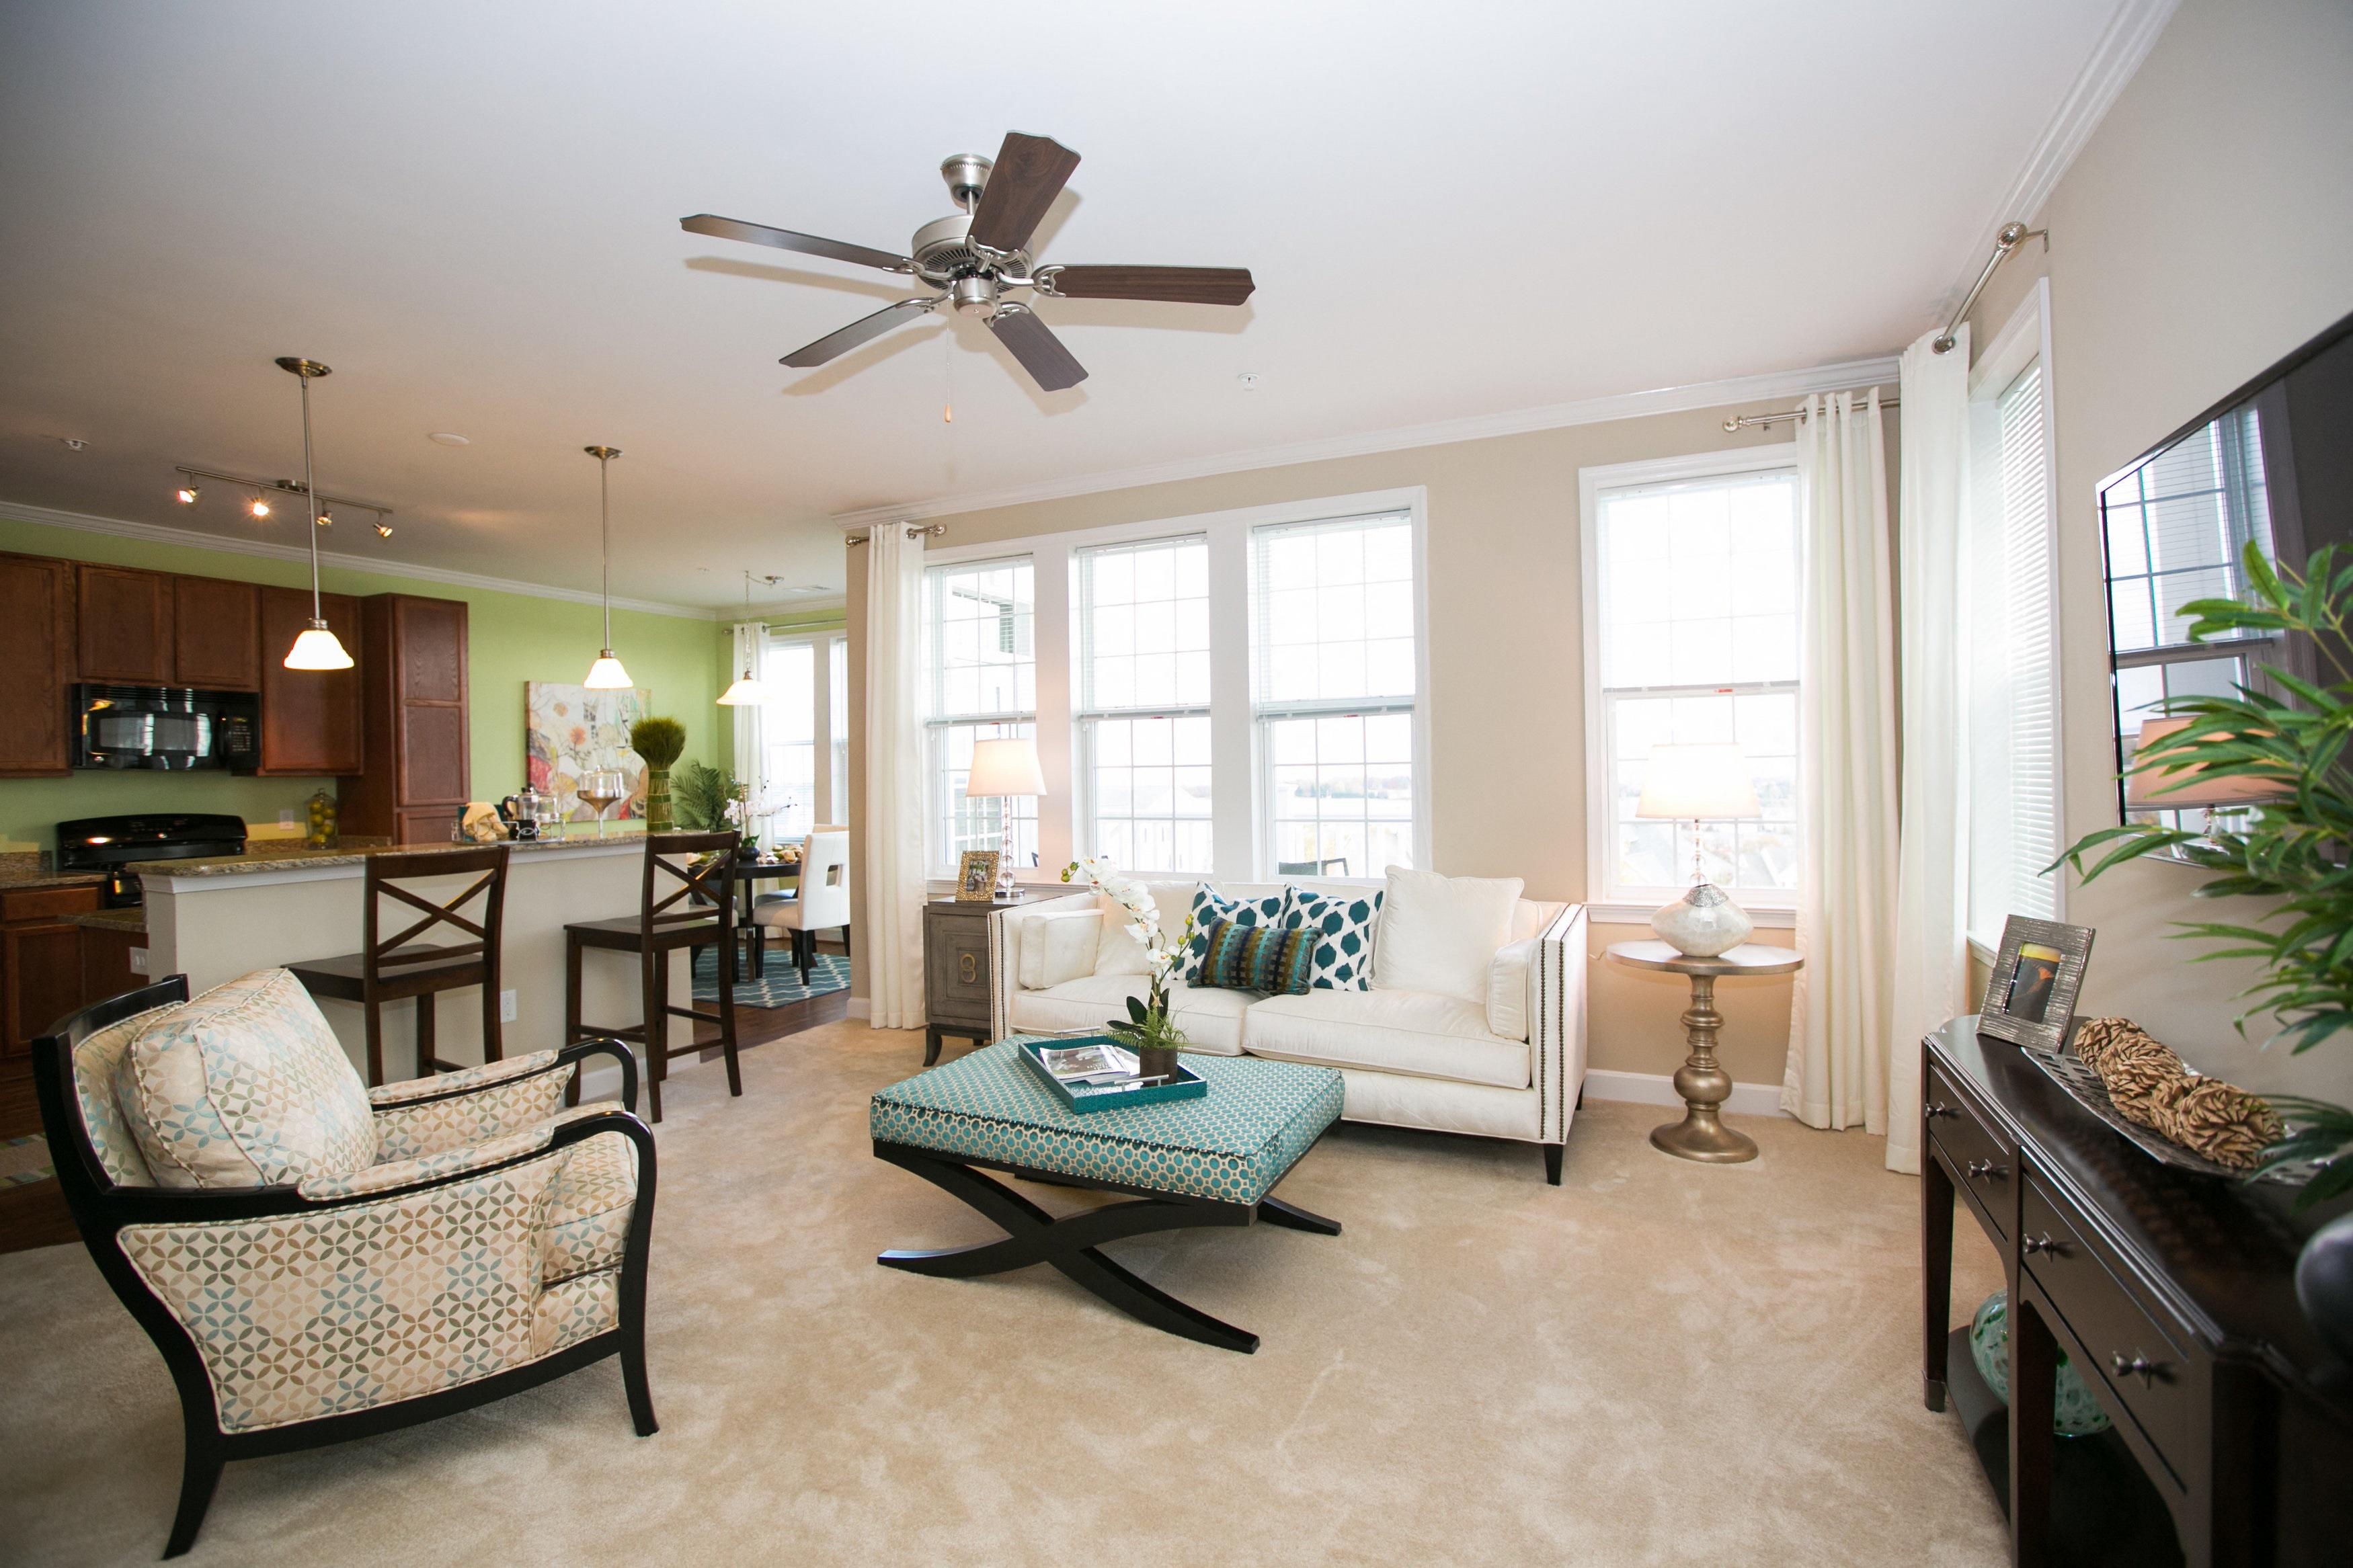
(1408, 1059)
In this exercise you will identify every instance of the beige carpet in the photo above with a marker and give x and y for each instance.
(1655, 1362)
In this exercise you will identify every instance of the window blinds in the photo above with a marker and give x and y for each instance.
(2029, 650)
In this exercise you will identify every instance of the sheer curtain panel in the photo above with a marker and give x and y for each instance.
(892, 921)
(751, 639)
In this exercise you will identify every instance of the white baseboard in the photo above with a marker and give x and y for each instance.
(1659, 1088)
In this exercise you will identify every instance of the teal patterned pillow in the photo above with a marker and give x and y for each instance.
(1271, 959)
(1209, 907)
(1344, 926)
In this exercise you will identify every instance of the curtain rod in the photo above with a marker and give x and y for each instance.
(915, 530)
(2012, 237)
(1758, 421)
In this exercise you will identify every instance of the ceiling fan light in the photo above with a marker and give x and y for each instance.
(317, 648)
(606, 674)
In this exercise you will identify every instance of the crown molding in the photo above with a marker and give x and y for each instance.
(162, 533)
(2115, 59)
(1770, 386)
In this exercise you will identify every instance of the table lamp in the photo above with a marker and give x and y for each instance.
(1696, 783)
(2185, 786)
(1002, 770)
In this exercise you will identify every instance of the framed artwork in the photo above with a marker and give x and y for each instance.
(569, 730)
(2030, 999)
(977, 877)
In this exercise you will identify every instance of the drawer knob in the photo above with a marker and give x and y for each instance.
(2043, 1244)
(2139, 1367)
(1985, 1171)
(1936, 1108)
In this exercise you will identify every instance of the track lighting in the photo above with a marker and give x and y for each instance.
(383, 531)
(260, 508)
(188, 493)
(326, 520)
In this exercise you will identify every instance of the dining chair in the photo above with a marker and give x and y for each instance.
(822, 902)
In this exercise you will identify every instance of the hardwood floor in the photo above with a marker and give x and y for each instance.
(758, 1025)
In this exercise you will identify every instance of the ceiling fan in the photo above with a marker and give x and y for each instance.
(981, 251)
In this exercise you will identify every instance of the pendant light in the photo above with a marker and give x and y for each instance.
(747, 692)
(606, 674)
(315, 648)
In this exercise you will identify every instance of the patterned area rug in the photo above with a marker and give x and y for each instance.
(782, 985)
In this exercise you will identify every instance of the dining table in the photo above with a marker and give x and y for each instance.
(746, 875)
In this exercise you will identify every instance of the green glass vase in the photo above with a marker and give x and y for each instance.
(657, 817)
(2074, 1413)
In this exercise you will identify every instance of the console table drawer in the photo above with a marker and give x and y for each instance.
(1984, 1163)
(2138, 1358)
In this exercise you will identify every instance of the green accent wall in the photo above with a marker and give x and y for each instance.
(829, 620)
(511, 638)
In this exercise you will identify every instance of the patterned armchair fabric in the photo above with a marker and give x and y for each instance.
(493, 1240)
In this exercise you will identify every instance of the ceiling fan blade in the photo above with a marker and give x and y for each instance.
(1182, 285)
(1029, 173)
(1041, 353)
(786, 240)
(833, 345)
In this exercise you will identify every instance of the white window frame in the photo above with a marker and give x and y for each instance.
(2024, 340)
(935, 726)
(1602, 899)
(826, 644)
(1084, 718)
(1236, 767)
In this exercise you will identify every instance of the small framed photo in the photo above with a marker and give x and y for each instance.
(977, 877)
(2031, 998)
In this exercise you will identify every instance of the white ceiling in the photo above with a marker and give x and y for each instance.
(471, 211)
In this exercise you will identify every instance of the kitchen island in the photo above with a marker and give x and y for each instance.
(214, 919)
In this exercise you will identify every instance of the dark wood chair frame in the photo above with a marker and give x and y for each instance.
(102, 1209)
(662, 926)
(388, 970)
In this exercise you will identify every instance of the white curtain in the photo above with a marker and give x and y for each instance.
(890, 925)
(1932, 960)
(751, 741)
(1839, 1068)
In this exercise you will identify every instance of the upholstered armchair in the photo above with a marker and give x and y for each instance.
(317, 1261)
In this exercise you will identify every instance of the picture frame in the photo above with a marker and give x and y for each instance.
(2029, 998)
(977, 877)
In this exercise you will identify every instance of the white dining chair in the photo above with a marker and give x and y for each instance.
(823, 901)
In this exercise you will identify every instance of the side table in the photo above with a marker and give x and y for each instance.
(957, 976)
(1705, 1086)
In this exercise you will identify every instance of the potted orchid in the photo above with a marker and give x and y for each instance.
(1147, 1030)
(745, 812)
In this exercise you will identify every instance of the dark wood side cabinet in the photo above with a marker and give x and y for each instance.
(125, 619)
(41, 981)
(311, 723)
(418, 777)
(36, 647)
(957, 974)
(216, 634)
(2172, 1294)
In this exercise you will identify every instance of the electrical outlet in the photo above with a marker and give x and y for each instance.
(138, 961)
(506, 1006)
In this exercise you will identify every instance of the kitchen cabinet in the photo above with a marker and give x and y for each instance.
(125, 620)
(37, 643)
(311, 720)
(41, 981)
(419, 775)
(216, 634)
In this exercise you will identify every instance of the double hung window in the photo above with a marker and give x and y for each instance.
(1142, 702)
(982, 667)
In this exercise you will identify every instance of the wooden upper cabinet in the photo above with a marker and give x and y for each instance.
(125, 619)
(37, 645)
(216, 634)
(309, 718)
(418, 772)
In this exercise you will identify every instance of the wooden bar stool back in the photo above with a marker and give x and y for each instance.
(389, 968)
(686, 902)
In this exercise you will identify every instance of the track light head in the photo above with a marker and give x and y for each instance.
(260, 508)
(383, 531)
(326, 520)
(188, 492)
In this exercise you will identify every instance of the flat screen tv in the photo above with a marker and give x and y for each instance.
(2271, 463)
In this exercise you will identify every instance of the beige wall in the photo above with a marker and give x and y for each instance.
(1508, 695)
(2204, 232)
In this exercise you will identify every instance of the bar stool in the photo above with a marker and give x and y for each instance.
(388, 969)
(659, 928)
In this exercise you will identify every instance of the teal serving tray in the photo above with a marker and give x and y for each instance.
(1187, 1085)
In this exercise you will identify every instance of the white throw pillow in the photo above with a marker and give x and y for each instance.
(1507, 990)
(245, 1086)
(1439, 933)
(1116, 951)
(1059, 947)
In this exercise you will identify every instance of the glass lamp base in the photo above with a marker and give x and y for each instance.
(1702, 923)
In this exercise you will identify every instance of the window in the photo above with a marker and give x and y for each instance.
(838, 709)
(1692, 638)
(1143, 708)
(788, 736)
(981, 659)
(1332, 689)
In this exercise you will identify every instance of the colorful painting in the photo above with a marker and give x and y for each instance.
(570, 730)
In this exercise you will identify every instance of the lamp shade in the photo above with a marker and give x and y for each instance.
(1709, 782)
(746, 693)
(606, 674)
(2186, 787)
(1005, 767)
(315, 648)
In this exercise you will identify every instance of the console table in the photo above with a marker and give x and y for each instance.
(2172, 1293)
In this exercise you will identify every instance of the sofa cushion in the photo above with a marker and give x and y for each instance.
(1212, 1020)
(1342, 923)
(1415, 1032)
(1273, 958)
(1117, 951)
(246, 1086)
(1507, 989)
(1210, 906)
(1059, 947)
(1439, 933)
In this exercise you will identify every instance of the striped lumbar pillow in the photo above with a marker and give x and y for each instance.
(1258, 958)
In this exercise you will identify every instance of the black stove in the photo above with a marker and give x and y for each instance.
(115, 844)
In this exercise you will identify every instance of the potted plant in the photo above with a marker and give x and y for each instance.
(659, 741)
(699, 795)
(2295, 847)
(1148, 1030)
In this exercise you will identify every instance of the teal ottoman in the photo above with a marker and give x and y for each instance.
(1208, 1161)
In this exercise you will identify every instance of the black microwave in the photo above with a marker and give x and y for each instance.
(167, 729)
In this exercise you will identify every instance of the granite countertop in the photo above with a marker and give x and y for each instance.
(21, 870)
(286, 855)
(130, 919)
